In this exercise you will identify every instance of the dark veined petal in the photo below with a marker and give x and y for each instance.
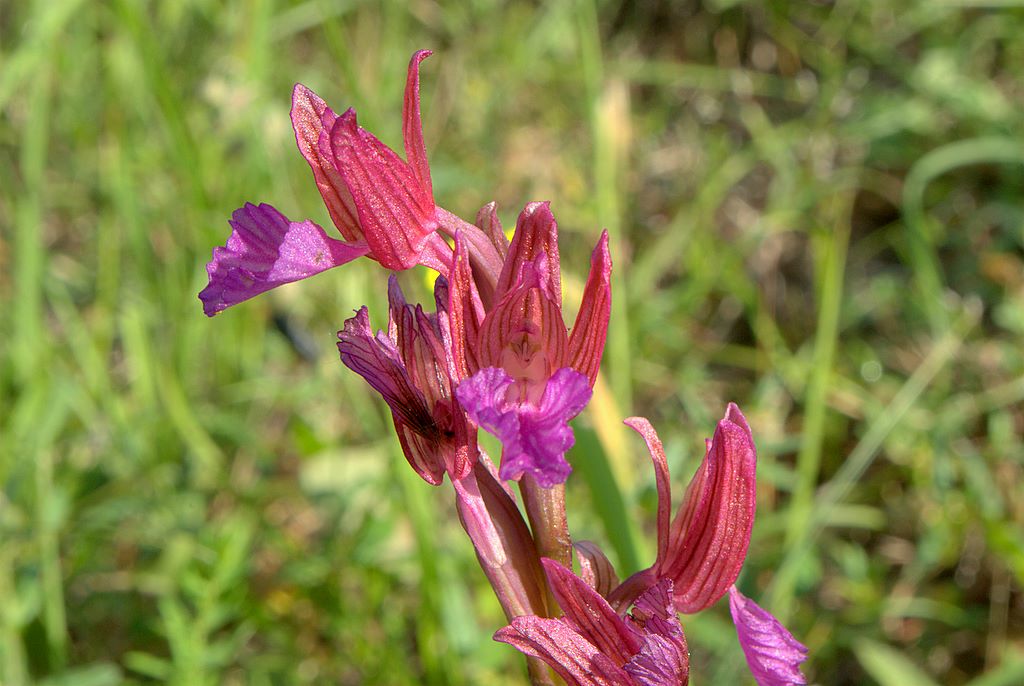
(412, 125)
(710, 535)
(591, 615)
(586, 342)
(396, 212)
(773, 655)
(655, 612)
(312, 121)
(487, 221)
(264, 251)
(661, 477)
(659, 663)
(526, 311)
(424, 454)
(464, 312)
(573, 657)
(376, 358)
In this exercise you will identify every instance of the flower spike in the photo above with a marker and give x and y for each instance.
(533, 378)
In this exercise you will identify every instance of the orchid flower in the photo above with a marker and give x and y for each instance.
(591, 645)
(496, 354)
(529, 375)
(411, 366)
(383, 206)
(703, 549)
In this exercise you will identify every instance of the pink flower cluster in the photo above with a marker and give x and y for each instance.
(495, 354)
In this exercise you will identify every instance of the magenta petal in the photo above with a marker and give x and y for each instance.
(264, 251)
(595, 568)
(483, 397)
(536, 233)
(586, 342)
(396, 212)
(412, 125)
(658, 663)
(534, 439)
(465, 312)
(546, 432)
(655, 612)
(574, 658)
(773, 655)
(654, 446)
(664, 659)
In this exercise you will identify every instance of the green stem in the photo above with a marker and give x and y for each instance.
(545, 507)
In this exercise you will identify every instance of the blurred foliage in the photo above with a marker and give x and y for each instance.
(816, 211)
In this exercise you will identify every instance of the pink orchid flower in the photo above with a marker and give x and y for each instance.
(703, 549)
(383, 206)
(591, 645)
(529, 375)
(700, 554)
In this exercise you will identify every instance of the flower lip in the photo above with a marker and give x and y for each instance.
(773, 654)
(266, 250)
(534, 438)
(592, 644)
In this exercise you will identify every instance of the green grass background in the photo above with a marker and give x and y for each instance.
(815, 209)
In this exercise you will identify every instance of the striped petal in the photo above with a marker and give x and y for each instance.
(312, 121)
(536, 233)
(396, 212)
(586, 342)
(573, 657)
(710, 535)
(412, 124)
